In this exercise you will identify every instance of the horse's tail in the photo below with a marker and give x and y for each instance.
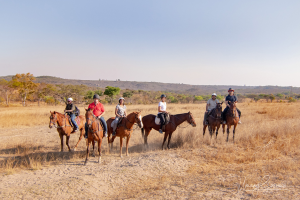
(143, 134)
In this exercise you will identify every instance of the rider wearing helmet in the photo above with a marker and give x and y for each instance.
(70, 110)
(98, 110)
(211, 104)
(162, 111)
(230, 98)
(120, 112)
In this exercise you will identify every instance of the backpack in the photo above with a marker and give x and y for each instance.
(77, 111)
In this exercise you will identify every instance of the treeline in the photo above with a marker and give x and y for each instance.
(23, 88)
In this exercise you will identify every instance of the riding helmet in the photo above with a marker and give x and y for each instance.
(121, 98)
(162, 96)
(96, 96)
(70, 99)
(214, 94)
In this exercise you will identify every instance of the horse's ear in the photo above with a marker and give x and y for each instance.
(229, 101)
(222, 102)
(86, 109)
(50, 112)
(54, 112)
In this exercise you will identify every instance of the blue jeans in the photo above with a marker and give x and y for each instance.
(72, 116)
(103, 122)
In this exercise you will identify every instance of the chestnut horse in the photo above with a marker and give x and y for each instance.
(95, 133)
(232, 118)
(214, 121)
(175, 120)
(124, 129)
(64, 127)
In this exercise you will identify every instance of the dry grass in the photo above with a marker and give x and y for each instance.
(266, 149)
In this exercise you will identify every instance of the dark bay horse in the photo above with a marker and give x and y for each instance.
(175, 120)
(214, 121)
(64, 127)
(125, 129)
(232, 118)
(95, 133)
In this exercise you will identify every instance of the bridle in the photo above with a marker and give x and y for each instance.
(55, 119)
(92, 121)
(135, 119)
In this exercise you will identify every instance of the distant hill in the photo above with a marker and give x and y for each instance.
(169, 87)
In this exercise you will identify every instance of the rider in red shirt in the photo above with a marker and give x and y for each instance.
(98, 112)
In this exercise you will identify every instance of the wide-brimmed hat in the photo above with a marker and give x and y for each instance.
(96, 96)
(121, 98)
(230, 89)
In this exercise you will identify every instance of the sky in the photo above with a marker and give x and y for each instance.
(197, 42)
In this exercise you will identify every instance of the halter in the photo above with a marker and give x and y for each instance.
(92, 121)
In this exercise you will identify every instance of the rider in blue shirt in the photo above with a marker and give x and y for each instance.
(230, 98)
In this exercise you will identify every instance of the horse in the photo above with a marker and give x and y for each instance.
(232, 118)
(214, 121)
(124, 129)
(175, 120)
(64, 127)
(95, 133)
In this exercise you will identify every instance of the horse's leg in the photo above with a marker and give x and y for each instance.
(228, 127)
(80, 137)
(146, 137)
(127, 142)
(165, 137)
(99, 149)
(234, 131)
(204, 128)
(67, 142)
(169, 139)
(87, 151)
(61, 142)
(223, 127)
(218, 127)
(121, 145)
(93, 143)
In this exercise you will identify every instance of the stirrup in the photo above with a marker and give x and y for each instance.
(160, 131)
(224, 122)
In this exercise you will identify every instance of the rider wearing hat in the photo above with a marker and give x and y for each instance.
(120, 112)
(162, 111)
(230, 98)
(98, 110)
(70, 110)
(211, 104)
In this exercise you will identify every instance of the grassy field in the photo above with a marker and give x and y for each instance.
(264, 157)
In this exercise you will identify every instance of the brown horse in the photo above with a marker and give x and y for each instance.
(175, 120)
(232, 118)
(64, 127)
(125, 129)
(214, 121)
(95, 133)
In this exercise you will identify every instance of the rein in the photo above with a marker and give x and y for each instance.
(130, 129)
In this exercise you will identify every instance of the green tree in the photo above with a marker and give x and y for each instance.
(99, 92)
(25, 85)
(272, 97)
(220, 97)
(198, 98)
(128, 94)
(111, 92)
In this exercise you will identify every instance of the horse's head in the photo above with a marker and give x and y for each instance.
(53, 119)
(232, 108)
(89, 116)
(137, 118)
(191, 119)
(219, 110)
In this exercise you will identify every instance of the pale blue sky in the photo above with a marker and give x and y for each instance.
(195, 42)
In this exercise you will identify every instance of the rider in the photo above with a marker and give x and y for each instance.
(162, 111)
(211, 104)
(70, 110)
(232, 98)
(120, 112)
(98, 110)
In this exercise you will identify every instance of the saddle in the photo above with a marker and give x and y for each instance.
(119, 122)
(157, 119)
(77, 120)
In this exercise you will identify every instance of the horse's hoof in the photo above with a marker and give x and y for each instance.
(121, 156)
(74, 149)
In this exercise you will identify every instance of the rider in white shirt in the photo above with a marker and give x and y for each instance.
(162, 111)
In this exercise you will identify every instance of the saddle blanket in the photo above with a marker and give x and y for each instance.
(157, 120)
